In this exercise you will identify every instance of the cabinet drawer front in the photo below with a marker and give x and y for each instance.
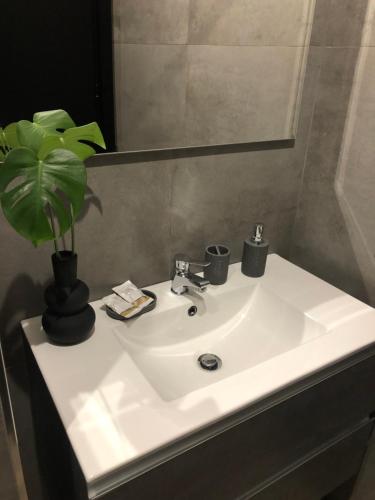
(236, 461)
(323, 473)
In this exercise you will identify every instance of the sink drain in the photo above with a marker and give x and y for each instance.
(192, 311)
(209, 361)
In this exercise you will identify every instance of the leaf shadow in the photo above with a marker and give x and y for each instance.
(91, 199)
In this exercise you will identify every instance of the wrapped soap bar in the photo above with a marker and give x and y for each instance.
(127, 301)
(128, 291)
(117, 304)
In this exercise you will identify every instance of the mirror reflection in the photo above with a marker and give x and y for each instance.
(202, 72)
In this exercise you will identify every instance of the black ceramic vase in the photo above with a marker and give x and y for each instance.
(68, 319)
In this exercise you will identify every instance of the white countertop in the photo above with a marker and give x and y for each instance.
(113, 416)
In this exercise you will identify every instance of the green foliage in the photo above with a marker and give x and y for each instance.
(43, 176)
(44, 124)
(24, 205)
(8, 139)
(70, 139)
(3, 145)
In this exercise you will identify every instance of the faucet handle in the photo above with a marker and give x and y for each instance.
(183, 263)
(200, 264)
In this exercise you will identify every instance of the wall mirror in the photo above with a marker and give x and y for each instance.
(202, 72)
(160, 74)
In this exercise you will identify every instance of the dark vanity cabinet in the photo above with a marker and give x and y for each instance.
(302, 444)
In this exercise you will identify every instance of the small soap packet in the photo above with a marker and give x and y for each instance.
(117, 304)
(128, 291)
(127, 301)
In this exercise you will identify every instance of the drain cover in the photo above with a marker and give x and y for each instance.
(209, 361)
(192, 311)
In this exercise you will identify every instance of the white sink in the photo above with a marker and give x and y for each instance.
(134, 394)
(243, 323)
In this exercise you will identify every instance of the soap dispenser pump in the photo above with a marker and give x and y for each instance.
(255, 250)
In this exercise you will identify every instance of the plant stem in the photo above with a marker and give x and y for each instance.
(53, 231)
(72, 230)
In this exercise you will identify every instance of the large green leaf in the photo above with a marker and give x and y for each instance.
(11, 135)
(53, 120)
(8, 139)
(39, 184)
(3, 145)
(44, 124)
(71, 138)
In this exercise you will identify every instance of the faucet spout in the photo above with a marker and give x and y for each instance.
(198, 281)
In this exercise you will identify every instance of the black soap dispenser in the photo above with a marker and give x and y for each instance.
(254, 256)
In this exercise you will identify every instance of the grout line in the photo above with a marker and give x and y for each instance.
(238, 45)
(265, 45)
(342, 46)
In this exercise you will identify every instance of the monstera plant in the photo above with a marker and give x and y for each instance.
(43, 177)
(42, 190)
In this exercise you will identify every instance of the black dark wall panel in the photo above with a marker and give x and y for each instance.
(58, 54)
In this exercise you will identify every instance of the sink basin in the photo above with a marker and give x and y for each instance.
(134, 394)
(243, 323)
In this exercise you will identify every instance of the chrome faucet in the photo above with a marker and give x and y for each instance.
(184, 279)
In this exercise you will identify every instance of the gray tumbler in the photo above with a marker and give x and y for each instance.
(218, 257)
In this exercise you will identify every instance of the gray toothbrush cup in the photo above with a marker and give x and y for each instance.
(218, 257)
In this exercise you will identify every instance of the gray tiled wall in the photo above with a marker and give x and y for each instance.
(253, 22)
(333, 235)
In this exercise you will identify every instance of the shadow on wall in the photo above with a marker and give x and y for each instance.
(355, 177)
(334, 234)
(91, 200)
(323, 246)
(23, 299)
